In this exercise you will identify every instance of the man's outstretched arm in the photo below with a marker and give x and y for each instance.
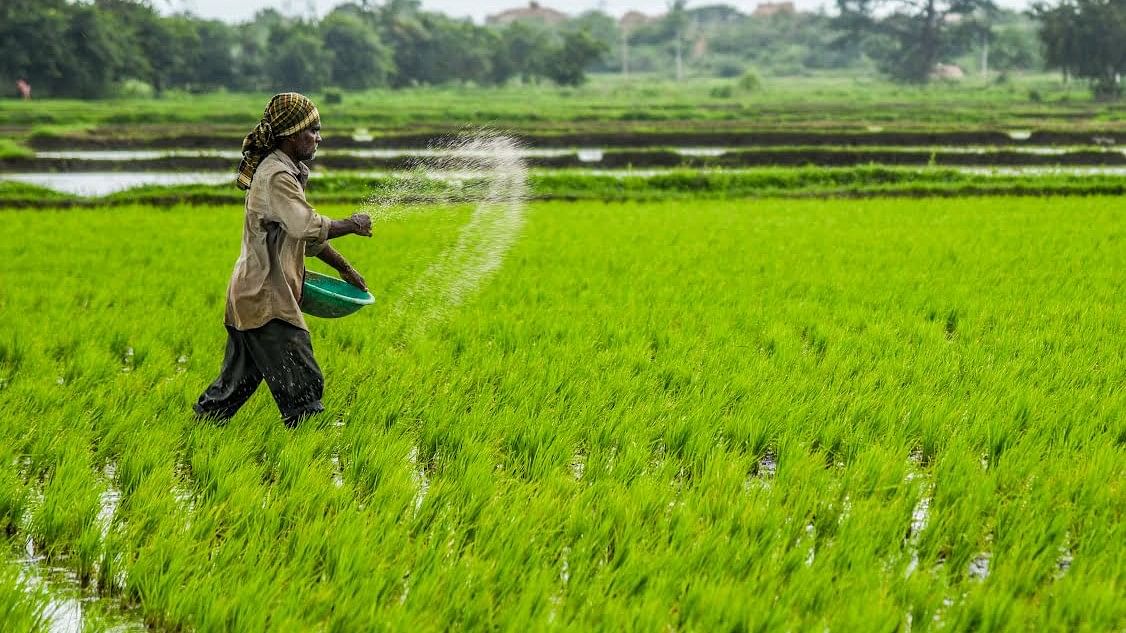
(332, 257)
(358, 224)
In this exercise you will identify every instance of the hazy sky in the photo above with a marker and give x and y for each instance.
(237, 10)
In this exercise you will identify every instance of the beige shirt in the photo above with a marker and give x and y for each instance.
(279, 232)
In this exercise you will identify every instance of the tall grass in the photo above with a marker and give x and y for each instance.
(684, 185)
(697, 415)
(10, 149)
(21, 604)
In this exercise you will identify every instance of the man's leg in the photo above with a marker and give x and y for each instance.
(284, 353)
(237, 381)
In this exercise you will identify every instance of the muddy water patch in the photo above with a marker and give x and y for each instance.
(109, 499)
(1065, 558)
(920, 514)
(763, 471)
(979, 566)
(74, 601)
(578, 466)
(69, 607)
(419, 477)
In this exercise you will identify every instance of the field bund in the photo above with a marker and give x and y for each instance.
(698, 414)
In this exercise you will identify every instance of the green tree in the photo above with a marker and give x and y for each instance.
(604, 29)
(1087, 39)
(254, 49)
(567, 65)
(906, 38)
(215, 62)
(33, 44)
(298, 61)
(431, 48)
(184, 52)
(154, 50)
(360, 60)
(1014, 44)
(98, 48)
(459, 51)
(521, 52)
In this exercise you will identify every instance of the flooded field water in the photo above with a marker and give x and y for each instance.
(94, 184)
(104, 183)
(586, 154)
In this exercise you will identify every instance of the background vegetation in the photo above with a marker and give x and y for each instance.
(124, 47)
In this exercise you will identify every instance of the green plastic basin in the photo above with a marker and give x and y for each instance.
(329, 297)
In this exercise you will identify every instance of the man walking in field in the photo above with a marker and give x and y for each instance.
(267, 338)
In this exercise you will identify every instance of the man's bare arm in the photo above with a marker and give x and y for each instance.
(358, 224)
(332, 257)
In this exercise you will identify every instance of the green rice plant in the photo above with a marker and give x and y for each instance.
(850, 102)
(681, 184)
(66, 519)
(698, 413)
(10, 149)
(22, 604)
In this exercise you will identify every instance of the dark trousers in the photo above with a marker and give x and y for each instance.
(279, 353)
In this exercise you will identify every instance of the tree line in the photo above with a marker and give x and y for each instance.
(107, 47)
(88, 50)
(907, 38)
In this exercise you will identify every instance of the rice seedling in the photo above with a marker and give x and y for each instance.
(699, 414)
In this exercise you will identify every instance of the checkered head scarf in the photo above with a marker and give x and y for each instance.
(286, 113)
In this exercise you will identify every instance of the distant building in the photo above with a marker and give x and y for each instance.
(947, 72)
(699, 47)
(634, 19)
(767, 9)
(716, 14)
(532, 13)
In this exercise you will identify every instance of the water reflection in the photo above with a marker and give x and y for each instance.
(104, 183)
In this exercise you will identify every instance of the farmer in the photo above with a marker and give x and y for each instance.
(266, 334)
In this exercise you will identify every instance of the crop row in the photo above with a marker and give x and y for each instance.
(683, 185)
(607, 100)
(777, 414)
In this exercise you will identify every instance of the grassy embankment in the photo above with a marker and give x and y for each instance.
(701, 416)
(606, 104)
(687, 185)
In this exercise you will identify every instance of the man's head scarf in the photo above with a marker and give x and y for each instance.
(286, 114)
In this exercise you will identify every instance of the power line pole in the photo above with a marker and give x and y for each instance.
(985, 55)
(679, 56)
(625, 52)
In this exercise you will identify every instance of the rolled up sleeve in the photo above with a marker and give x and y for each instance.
(290, 210)
(312, 249)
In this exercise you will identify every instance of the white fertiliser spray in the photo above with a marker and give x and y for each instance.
(483, 168)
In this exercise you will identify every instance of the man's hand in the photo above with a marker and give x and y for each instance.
(357, 224)
(363, 224)
(350, 275)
